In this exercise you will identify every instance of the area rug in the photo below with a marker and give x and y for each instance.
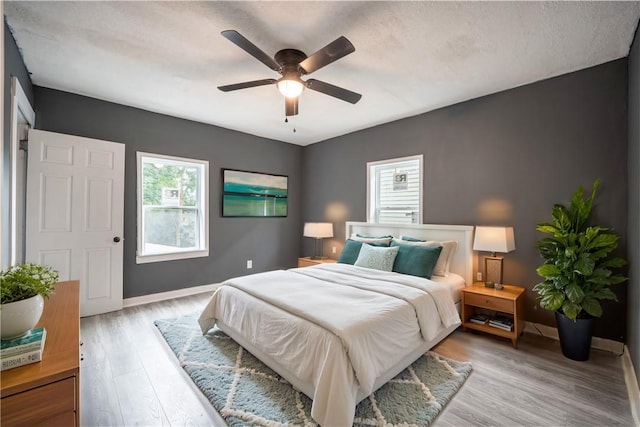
(248, 393)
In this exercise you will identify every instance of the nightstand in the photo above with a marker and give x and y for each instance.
(509, 300)
(307, 261)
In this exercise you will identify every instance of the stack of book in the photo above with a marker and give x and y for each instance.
(502, 322)
(23, 350)
(480, 319)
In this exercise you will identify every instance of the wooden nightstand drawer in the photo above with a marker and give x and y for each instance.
(486, 301)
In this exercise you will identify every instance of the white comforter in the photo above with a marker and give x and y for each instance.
(335, 326)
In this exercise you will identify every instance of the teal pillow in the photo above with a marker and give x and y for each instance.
(374, 237)
(411, 239)
(378, 258)
(350, 252)
(416, 260)
(372, 240)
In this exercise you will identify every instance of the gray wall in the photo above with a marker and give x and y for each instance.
(270, 242)
(13, 66)
(633, 316)
(503, 159)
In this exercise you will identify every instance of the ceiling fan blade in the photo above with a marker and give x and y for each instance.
(242, 42)
(290, 106)
(332, 52)
(246, 85)
(335, 91)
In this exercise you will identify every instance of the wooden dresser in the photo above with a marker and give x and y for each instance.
(48, 392)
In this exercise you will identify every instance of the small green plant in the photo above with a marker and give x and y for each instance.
(24, 281)
(577, 260)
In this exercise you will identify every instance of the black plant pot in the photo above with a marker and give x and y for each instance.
(575, 337)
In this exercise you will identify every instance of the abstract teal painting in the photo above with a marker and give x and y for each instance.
(253, 194)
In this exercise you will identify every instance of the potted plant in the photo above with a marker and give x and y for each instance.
(23, 288)
(577, 271)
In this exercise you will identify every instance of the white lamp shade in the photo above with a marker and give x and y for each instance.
(494, 239)
(318, 230)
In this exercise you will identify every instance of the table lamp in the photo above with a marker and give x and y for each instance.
(318, 230)
(494, 239)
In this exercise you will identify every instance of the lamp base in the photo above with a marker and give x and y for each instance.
(318, 244)
(493, 269)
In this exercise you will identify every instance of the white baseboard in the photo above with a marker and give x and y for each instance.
(163, 296)
(596, 342)
(632, 385)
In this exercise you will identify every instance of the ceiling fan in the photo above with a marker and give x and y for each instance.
(292, 64)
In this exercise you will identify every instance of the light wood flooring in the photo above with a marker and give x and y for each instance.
(130, 377)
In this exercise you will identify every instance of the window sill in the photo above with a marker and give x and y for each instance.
(143, 259)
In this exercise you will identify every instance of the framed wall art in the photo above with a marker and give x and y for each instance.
(253, 194)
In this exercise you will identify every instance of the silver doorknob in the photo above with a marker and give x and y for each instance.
(116, 239)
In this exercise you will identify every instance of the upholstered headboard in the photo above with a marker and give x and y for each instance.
(462, 261)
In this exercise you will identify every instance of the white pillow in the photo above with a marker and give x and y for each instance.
(444, 260)
(448, 249)
(377, 257)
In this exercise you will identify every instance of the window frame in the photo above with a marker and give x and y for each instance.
(203, 251)
(371, 176)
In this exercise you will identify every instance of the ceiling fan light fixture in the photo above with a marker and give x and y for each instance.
(292, 64)
(291, 88)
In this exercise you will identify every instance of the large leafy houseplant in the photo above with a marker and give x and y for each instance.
(578, 262)
(23, 281)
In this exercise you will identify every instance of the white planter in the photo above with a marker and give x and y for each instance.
(20, 316)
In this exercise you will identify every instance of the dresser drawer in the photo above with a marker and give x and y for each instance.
(41, 405)
(489, 302)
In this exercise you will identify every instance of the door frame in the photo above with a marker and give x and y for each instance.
(3, 226)
(20, 105)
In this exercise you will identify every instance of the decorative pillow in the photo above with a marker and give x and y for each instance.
(372, 240)
(377, 258)
(350, 252)
(444, 261)
(416, 260)
(411, 239)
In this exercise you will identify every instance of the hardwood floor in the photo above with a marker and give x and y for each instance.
(534, 385)
(130, 377)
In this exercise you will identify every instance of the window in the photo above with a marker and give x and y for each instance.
(394, 191)
(173, 205)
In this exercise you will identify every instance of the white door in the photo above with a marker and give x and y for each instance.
(75, 208)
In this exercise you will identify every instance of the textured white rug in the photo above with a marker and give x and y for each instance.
(246, 392)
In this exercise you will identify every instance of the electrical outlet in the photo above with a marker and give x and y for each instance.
(333, 249)
(479, 276)
(249, 263)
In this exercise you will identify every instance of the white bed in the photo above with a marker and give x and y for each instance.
(339, 351)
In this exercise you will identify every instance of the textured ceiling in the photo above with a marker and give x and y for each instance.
(410, 58)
